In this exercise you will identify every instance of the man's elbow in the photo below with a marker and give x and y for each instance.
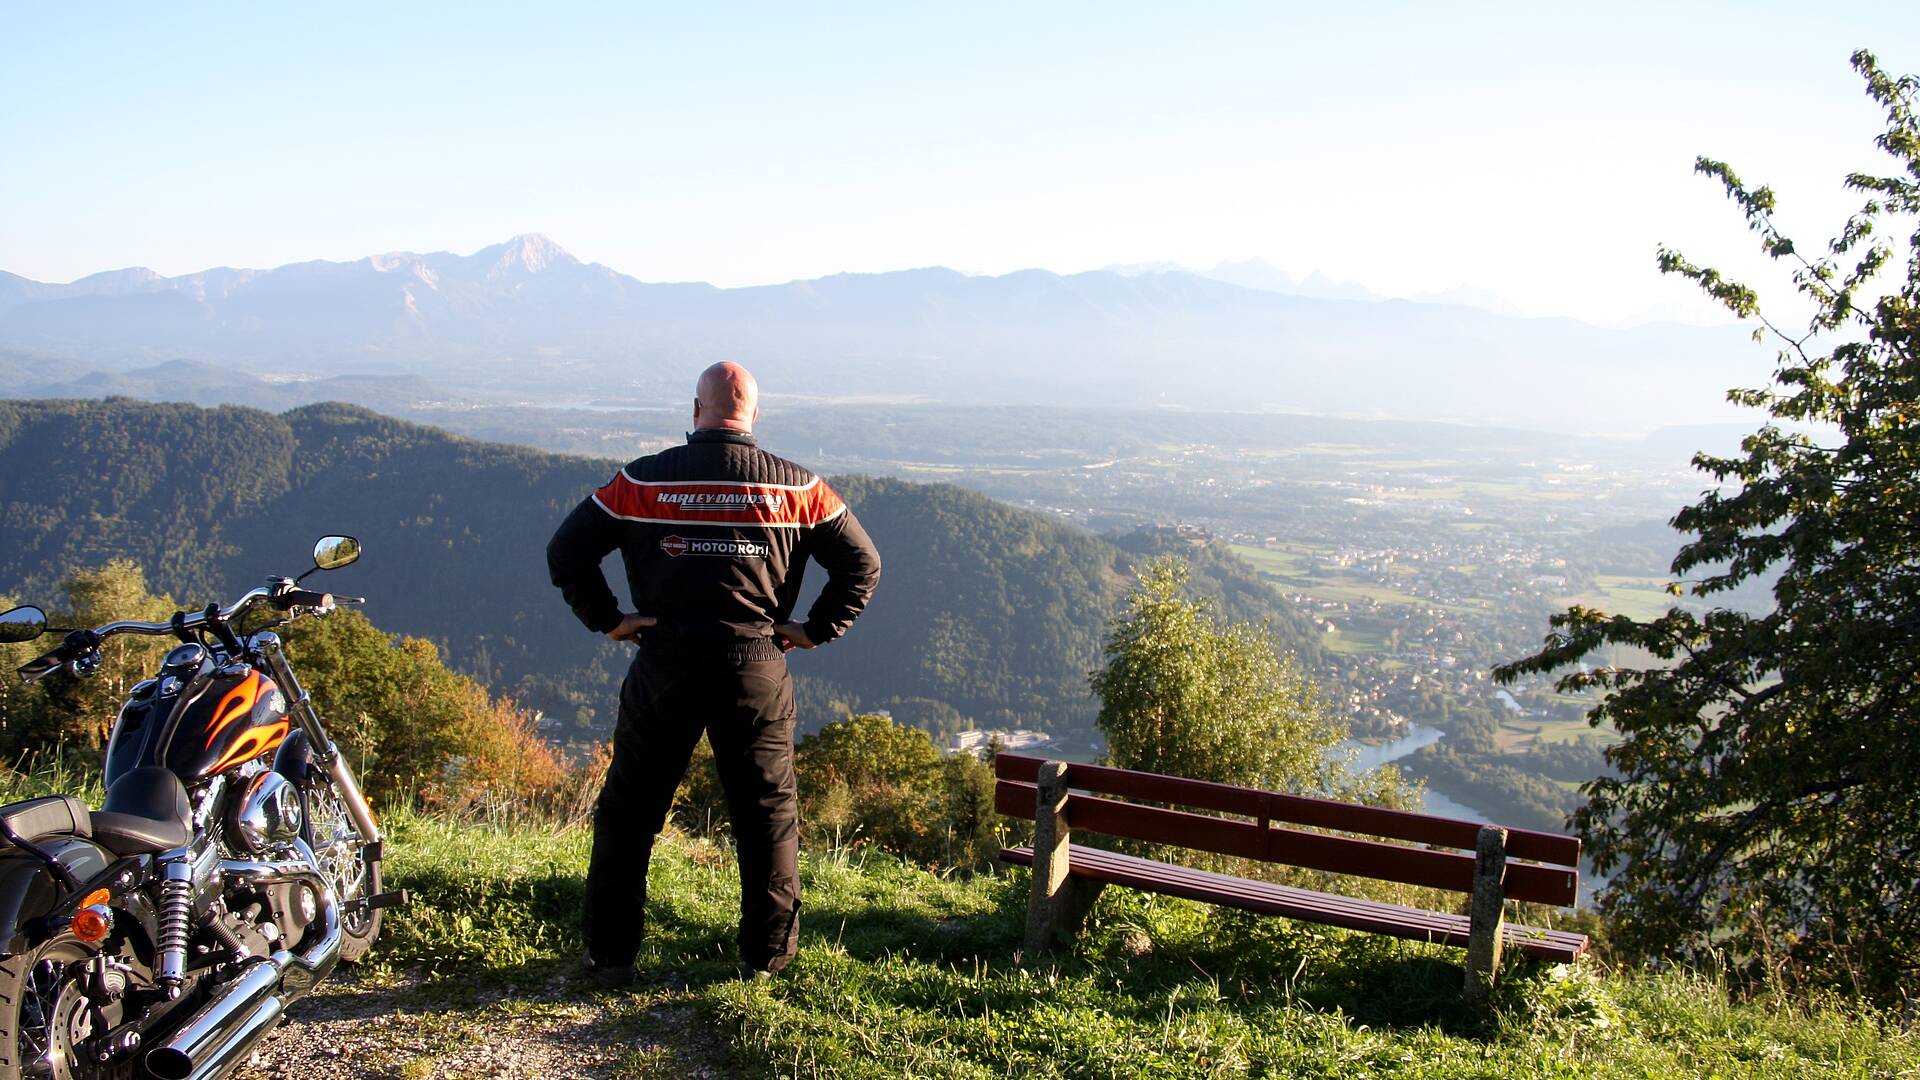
(557, 571)
(563, 560)
(863, 584)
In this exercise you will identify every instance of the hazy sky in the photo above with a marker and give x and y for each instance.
(1537, 151)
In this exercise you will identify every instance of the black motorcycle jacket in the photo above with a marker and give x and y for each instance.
(715, 536)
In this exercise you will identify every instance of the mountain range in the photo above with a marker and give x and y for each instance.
(1260, 274)
(526, 322)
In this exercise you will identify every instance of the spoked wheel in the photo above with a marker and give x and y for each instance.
(343, 862)
(46, 1018)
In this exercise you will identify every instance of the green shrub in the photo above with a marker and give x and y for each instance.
(866, 780)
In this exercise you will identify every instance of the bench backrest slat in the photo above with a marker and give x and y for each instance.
(1296, 809)
(1314, 851)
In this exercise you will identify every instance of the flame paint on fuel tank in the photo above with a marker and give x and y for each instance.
(252, 742)
(238, 702)
(246, 720)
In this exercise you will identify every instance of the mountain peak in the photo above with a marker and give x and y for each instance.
(133, 279)
(529, 252)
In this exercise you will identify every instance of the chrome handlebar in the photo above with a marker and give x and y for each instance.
(193, 621)
(80, 650)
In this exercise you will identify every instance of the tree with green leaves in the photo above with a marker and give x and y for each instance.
(1185, 695)
(867, 779)
(64, 715)
(1767, 806)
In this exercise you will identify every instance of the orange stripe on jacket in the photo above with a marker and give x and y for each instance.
(722, 502)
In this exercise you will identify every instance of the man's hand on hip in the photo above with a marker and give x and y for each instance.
(630, 627)
(793, 635)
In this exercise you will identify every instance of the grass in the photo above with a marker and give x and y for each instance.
(1352, 592)
(1458, 490)
(487, 897)
(1286, 561)
(1351, 641)
(1292, 567)
(1567, 730)
(62, 772)
(1635, 597)
(904, 973)
(1517, 734)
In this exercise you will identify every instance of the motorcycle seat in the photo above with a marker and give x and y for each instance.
(145, 811)
(50, 815)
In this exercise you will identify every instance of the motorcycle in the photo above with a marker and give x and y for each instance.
(232, 864)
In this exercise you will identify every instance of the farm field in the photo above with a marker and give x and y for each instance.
(1288, 562)
(1634, 597)
(1291, 567)
(1518, 736)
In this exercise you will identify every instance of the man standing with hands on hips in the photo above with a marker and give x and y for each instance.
(715, 536)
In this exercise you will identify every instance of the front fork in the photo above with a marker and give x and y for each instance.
(300, 705)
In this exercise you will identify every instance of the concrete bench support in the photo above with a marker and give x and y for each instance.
(1487, 912)
(1059, 903)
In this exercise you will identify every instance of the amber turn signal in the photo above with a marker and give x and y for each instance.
(93, 923)
(97, 896)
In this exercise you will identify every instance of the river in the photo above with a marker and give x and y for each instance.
(1370, 756)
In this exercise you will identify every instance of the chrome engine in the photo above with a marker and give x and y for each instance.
(268, 815)
(282, 893)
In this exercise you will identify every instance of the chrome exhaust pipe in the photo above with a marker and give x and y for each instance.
(256, 872)
(224, 1030)
(300, 972)
(244, 1011)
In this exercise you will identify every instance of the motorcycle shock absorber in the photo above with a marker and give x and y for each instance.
(176, 920)
(185, 876)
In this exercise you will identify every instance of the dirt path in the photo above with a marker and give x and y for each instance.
(370, 1029)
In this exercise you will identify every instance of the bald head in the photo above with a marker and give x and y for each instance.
(726, 397)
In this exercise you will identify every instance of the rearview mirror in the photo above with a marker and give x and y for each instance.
(334, 552)
(22, 624)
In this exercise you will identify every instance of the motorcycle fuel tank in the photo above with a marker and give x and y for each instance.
(208, 721)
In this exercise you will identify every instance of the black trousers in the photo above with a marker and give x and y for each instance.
(743, 699)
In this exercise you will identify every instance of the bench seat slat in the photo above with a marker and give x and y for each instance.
(1256, 895)
(1405, 825)
(1366, 915)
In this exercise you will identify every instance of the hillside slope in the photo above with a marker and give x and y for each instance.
(985, 612)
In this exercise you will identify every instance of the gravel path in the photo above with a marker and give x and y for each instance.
(408, 1029)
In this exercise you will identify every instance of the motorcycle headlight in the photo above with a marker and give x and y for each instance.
(268, 814)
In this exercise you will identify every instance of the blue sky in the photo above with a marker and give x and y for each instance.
(1539, 152)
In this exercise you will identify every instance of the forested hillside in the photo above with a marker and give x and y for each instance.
(986, 613)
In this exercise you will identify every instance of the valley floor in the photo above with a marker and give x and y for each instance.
(903, 973)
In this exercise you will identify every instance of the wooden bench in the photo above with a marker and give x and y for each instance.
(1489, 863)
